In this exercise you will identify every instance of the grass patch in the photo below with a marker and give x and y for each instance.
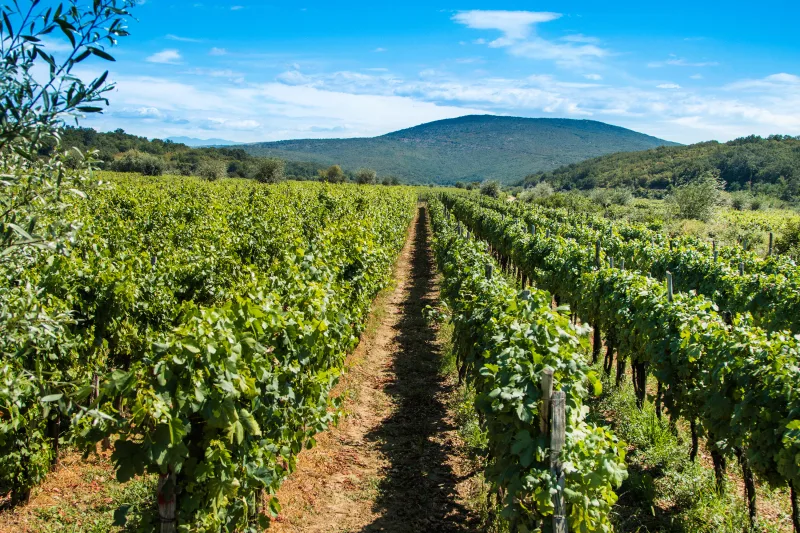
(665, 490)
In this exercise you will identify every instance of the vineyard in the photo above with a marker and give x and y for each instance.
(715, 328)
(200, 326)
(196, 330)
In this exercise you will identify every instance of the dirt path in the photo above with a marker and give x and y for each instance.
(391, 465)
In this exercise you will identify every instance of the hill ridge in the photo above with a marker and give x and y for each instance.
(467, 148)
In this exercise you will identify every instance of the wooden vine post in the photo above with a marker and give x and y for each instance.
(553, 424)
(558, 426)
(669, 287)
(167, 502)
(769, 251)
(547, 392)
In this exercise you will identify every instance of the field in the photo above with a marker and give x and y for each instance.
(198, 332)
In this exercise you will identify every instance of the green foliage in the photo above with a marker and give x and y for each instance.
(142, 163)
(470, 148)
(210, 169)
(216, 316)
(608, 197)
(505, 339)
(491, 189)
(269, 170)
(767, 165)
(33, 102)
(734, 376)
(332, 174)
(176, 157)
(390, 180)
(699, 199)
(538, 192)
(366, 176)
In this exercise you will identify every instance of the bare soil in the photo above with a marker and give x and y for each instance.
(394, 463)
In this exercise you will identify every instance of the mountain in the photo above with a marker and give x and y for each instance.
(201, 143)
(469, 148)
(768, 165)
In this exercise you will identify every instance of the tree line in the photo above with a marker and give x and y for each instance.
(754, 164)
(123, 152)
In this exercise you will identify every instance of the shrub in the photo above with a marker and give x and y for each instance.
(366, 176)
(136, 161)
(269, 170)
(539, 191)
(390, 180)
(490, 188)
(333, 174)
(698, 199)
(212, 169)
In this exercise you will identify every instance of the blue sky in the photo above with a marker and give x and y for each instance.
(255, 71)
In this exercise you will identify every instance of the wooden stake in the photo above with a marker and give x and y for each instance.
(166, 502)
(558, 430)
(669, 286)
(489, 270)
(547, 392)
(597, 253)
(769, 251)
(741, 268)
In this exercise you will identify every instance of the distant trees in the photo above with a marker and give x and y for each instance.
(333, 174)
(390, 180)
(136, 161)
(212, 169)
(699, 199)
(754, 164)
(490, 188)
(541, 190)
(366, 176)
(460, 185)
(269, 170)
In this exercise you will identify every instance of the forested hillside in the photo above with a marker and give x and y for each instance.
(475, 147)
(117, 148)
(765, 165)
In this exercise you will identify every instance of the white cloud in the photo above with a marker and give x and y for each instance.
(172, 37)
(379, 50)
(165, 56)
(521, 40)
(515, 25)
(217, 51)
(780, 82)
(580, 38)
(346, 104)
(215, 73)
(227, 124)
(236, 8)
(696, 76)
(140, 112)
(681, 62)
(594, 77)
(294, 77)
(270, 111)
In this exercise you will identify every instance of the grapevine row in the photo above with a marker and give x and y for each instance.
(506, 340)
(208, 323)
(736, 280)
(733, 381)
